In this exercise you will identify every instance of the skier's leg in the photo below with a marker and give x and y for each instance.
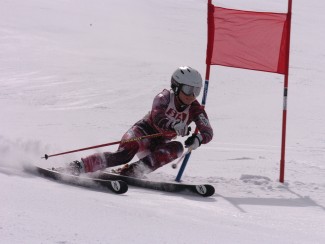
(124, 154)
(162, 154)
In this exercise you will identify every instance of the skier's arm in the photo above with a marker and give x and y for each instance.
(159, 106)
(201, 120)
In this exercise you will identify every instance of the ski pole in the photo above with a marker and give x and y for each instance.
(174, 165)
(46, 156)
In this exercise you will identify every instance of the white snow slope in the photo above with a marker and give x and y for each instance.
(76, 73)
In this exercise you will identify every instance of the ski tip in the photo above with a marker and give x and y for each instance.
(205, 190)
(119, 186)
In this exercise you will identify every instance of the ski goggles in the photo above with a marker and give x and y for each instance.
(190, 90)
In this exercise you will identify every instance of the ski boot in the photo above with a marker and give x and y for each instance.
(136, 170)
(75, 168)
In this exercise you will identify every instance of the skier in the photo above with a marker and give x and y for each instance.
(172, 112)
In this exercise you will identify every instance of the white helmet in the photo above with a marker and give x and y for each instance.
(188, 80)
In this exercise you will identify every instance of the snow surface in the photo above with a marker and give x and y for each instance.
(80, 73)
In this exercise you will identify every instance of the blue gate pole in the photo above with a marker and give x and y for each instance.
(188, 155)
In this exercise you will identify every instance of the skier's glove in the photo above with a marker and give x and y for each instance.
(193, 142)
(181, 128)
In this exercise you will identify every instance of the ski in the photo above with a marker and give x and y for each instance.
(117, 186)
(204, 190)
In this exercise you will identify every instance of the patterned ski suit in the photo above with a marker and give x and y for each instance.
(158, 151)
